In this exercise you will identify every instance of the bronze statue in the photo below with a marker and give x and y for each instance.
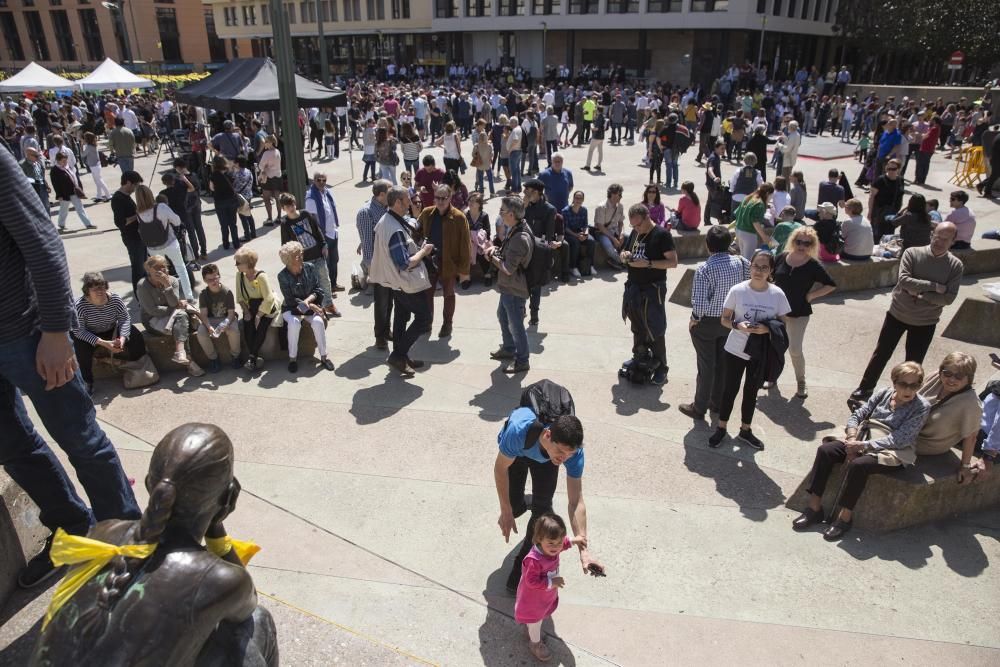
(162, 598)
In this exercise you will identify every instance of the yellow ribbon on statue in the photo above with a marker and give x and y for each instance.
(89, 556)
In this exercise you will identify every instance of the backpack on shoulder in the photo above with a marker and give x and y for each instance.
(153, 233)
(548, 401)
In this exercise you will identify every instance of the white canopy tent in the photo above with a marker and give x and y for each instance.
(34, 78)
(109, 75)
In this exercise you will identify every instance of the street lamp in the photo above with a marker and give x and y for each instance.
(118, 10)
(760, 49)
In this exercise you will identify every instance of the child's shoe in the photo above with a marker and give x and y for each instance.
(540, 651)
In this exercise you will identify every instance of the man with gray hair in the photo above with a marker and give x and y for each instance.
(510, 260)
(369, 216)
(398, 264)
(33, 168)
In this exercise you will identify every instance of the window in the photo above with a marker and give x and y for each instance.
(249, 15)
(762, 6)
(401, 9)
(665, 6)
(482, 7)
(513, 7)
(328, 10)
(791, 9)
(709, 5)
(64, 35)
(13, 40)
(805, 10)
(623, 6)
(444, 9)
(290, 10)
(829, 10)
(170, 36)
(583, 6)
(91, 32)
(229, 15)
(265, 14)
(216, 47)
(352, 10)
(546, 7)
(307, 12)
(777, 8)
(817, 8)
(376, 10)
(36, 35)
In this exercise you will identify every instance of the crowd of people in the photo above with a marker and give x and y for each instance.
(423, 229)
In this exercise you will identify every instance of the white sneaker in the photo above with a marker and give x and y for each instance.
(576, 273)
(194, 370)
(180, 358)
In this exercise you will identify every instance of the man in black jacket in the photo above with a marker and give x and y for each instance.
(541, 218)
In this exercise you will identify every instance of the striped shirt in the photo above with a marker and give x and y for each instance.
(712, 281)
(368, 217)
(32, 261)
(95, 320)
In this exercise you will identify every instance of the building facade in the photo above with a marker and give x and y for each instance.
(76, 35)
(668, 40)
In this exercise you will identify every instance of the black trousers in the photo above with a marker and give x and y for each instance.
(855, 478)
(735, 368)
(544, 478)
(918, 339)
(383, 311)
(255, 335)
(403, 336)
(135, 347)
(709, 338)
(136, 258)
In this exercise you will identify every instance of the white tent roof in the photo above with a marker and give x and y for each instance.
(34, 78)
(110, 75)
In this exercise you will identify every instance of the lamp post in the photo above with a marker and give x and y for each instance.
(545, 34)
(289, 106)
(378, 50)
(116, 9)
(760, 49)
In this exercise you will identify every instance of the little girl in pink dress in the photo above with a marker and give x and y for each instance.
(538, 591)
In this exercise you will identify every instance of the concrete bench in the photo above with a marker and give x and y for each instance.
(926, 492)
(976, 322)
(858, 276)
(160, 348)
(21, 535)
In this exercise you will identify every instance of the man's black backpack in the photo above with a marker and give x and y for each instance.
(548, 401)
(640, 368)
(538, 271)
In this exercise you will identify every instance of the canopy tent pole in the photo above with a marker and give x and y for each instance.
(295, 161)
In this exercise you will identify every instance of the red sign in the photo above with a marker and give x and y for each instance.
(957, 58)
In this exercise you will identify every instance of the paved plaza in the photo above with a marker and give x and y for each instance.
(373, 496)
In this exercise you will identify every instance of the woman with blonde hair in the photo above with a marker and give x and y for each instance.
(157, 227)
(955, 412)
(803, 279)
(303, 298)
(256, 299)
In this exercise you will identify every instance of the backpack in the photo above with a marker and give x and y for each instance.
(538, 272)
(153, 233)
(682, 140)
(746, 182)
(640, 368)
(548, 401)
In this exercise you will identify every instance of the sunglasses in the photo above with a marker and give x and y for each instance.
(802, 243)
(912, 386)
(945, 373)
(320, 180)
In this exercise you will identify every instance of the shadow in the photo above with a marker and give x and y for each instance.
(535, 338)
(276, 371)
(925, 186)
(502, 640)
(74, 233)
(496, 401)
(792, 414)
(364, 299)
(373, 404)
(436, 351)
(361, 365)
(20, 598)
(956, 538)
(737, 475)
(628, 398)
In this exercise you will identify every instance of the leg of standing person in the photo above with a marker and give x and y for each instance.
(69, 417)
(324, 280)
(888, 338)
(704, 337)
(732, 378)
(332, 259)
(515, 170)
(544, 479)
(796, 328)
(102, 189)
(510, 314)
(448, 289)
(137, 255)
(383, 313)
(918, 341)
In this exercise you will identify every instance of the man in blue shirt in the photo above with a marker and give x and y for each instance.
(577, 236)
(528, 446)
(888, 145)
(558, 182)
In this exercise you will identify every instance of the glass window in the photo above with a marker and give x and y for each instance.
(583, 6)
(777, 8)
(64, 35)
(216, 47)
(709, 5)
(91, 33)
(511, 7)
(13, 40)
(36, 35)
(483, 7)
(307, 12)
(829, 10)
(265, 14)
(665, 6)
(546, 7)
(170, 36)
(290, 10)
(444, 9)
(817, 9)
(761, 6)
(623, 6)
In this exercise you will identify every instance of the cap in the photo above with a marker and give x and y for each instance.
(131, 177)
(828, 207)
(535, 184)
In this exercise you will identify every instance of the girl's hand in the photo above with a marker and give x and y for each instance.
(558, 582)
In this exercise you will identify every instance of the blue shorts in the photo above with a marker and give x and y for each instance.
(419, 122)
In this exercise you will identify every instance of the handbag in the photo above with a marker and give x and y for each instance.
(136, 374)
(242, 205)
(103, 158)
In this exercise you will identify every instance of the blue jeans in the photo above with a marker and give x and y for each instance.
(226, 210)
(515, 170)
(126, 163)
(672, 168)
(479, 179)
(68, 415)
(510, 314)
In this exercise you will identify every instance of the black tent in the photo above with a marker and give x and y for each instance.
(251, 84)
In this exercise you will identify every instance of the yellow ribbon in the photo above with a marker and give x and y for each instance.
(88, 557)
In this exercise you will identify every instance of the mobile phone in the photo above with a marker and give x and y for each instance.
(596, 570)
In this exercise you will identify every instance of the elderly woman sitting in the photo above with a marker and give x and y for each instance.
(881, 438)
(165, 312)
(955, 413)
(253, 293)
(103, 321)
(299, 282)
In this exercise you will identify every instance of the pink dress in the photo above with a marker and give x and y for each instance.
(536, 597)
